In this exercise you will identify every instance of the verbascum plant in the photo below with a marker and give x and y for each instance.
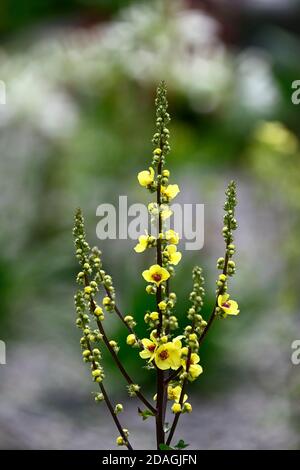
(174, 358)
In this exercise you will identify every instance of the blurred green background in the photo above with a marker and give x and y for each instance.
(80, 80)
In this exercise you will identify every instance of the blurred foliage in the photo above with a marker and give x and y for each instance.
(16, 15)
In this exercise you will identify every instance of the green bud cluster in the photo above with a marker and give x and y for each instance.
(161, 137)
(99, 397)
(196, 298)
(133, 389)
(227, 265)
(129, 320)
(82, 248)
(230, 223)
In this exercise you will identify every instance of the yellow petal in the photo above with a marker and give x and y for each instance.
(147, 276)
(175, 258)
(145, 354)
(146, 178)
(195, 370)
(195, 358)
(222, 299)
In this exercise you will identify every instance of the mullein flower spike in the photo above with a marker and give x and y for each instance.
(175, 358)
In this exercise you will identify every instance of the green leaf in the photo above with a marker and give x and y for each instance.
(145, 414)
(165, 447)
(181, 444)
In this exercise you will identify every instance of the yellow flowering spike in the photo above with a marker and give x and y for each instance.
(173, 255)
(175, 392)
(142, 244)
(172, 237)
(170, 191)
(228, 306)
(146, 177)
(156, 274)
(149, 348)
(168, 355)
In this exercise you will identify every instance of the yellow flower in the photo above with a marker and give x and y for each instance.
(172, 237)
(162, 305)
(154, 316)
(156, 274)
(194, 368)
(175, 392)
(228, 306)
(176, 408)
(173, 254)
(150, 346)
(142, 244)
(130, 340)
(106, 301)
(88, 289)
(98, 311)
(168, 355)
(146, 177)
(170, 191)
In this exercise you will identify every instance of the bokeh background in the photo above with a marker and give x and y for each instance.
(80, 80)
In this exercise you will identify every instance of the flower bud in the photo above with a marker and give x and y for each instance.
(118, 408)
(187, 408)
(120, 441)
(131, 340)
(176, 408)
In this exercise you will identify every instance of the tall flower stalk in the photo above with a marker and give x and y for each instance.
(174, 358)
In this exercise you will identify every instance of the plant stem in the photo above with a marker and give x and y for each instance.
(115, 357)
(109, 405)
(173, 375)
(160, 434)
(114, 417)
(121, 368)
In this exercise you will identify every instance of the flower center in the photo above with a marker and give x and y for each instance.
(226, 304)
(156, 277)
(164, 355)
(151, 347)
